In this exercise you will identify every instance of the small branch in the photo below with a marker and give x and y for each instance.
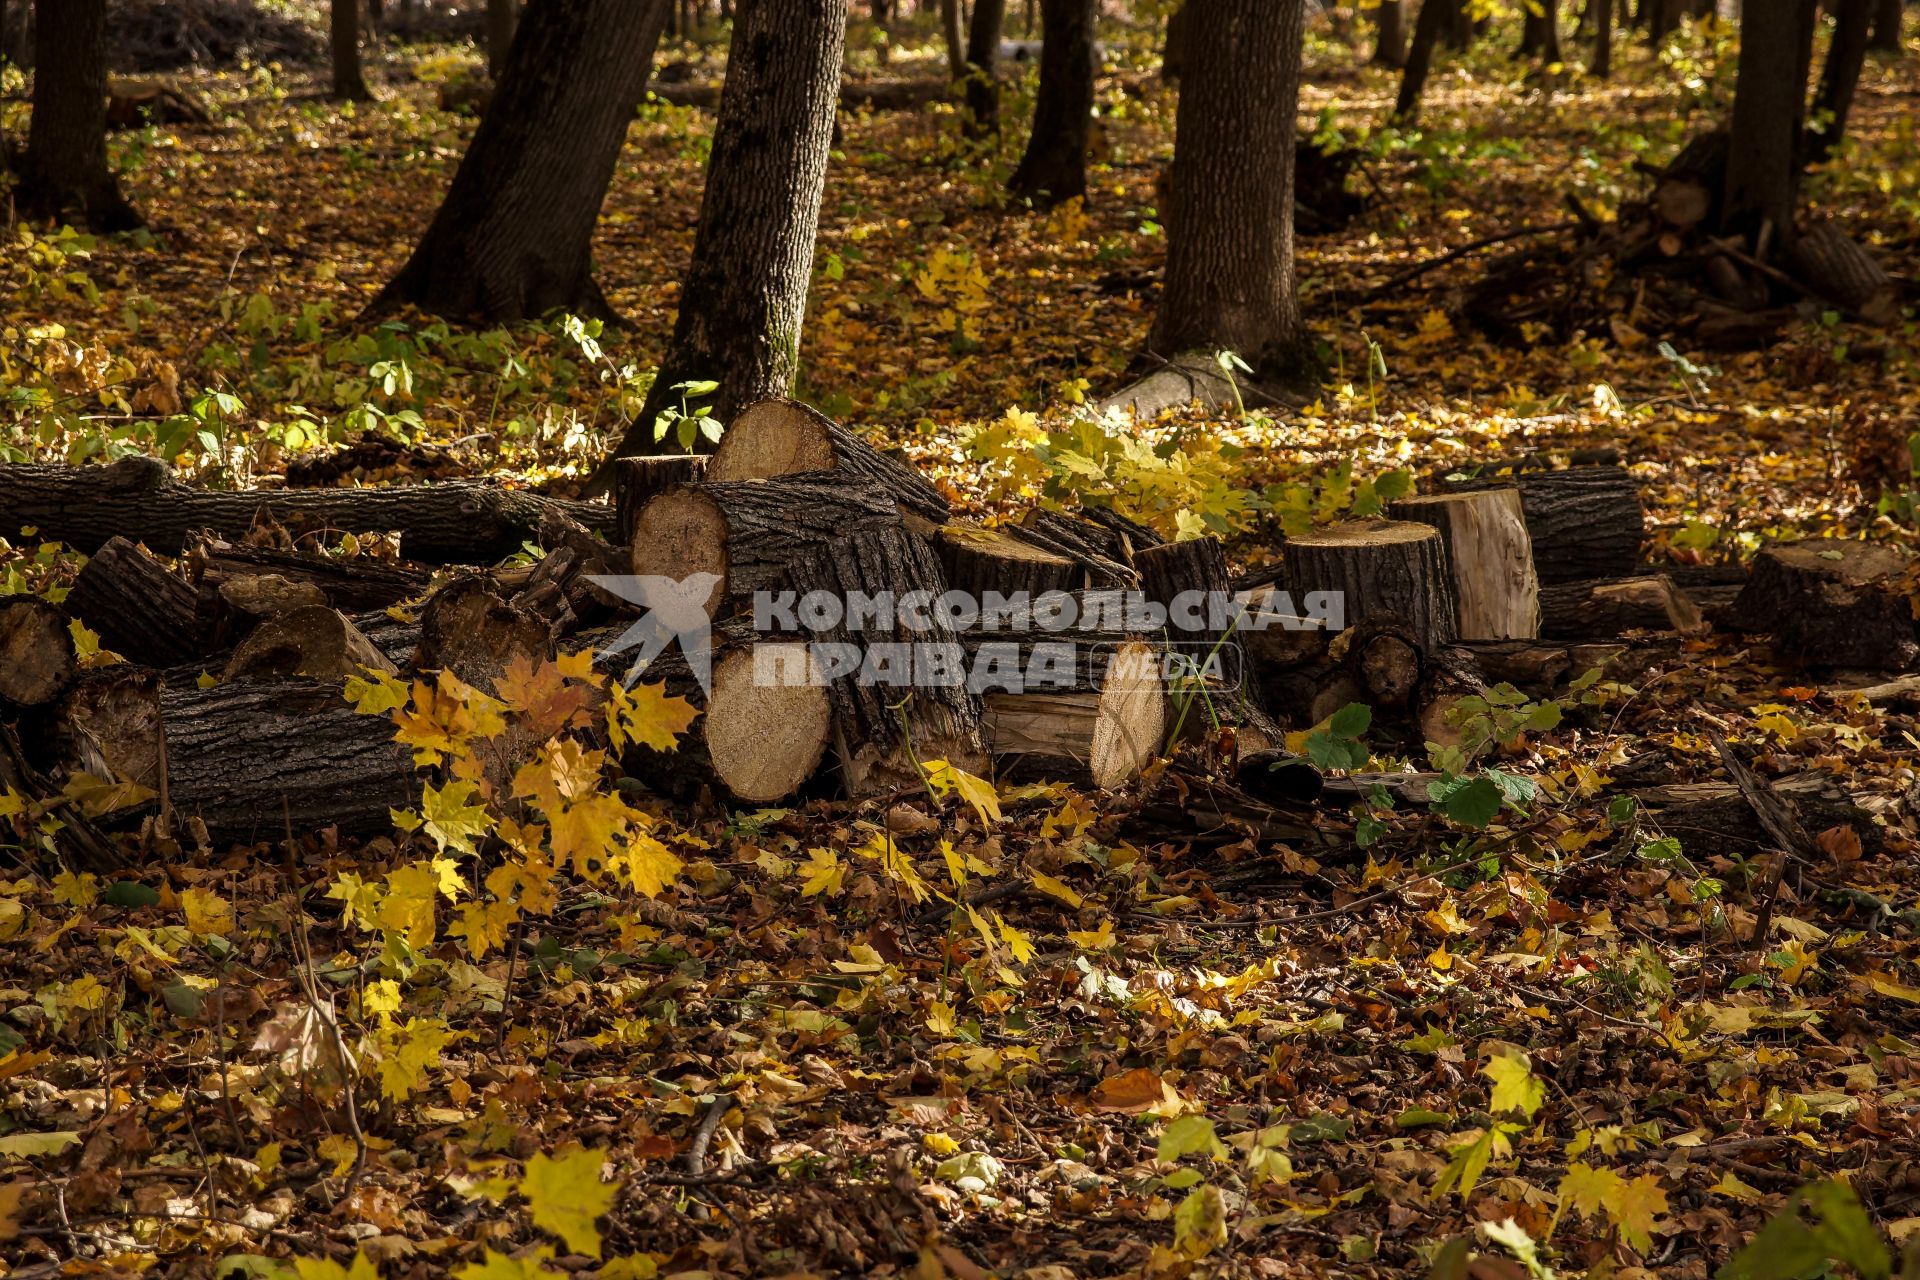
(1472, 247)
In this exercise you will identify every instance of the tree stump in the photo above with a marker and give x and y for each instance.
(1496, 592)
(1837, 268)
(36, 652)
(1604, 610)
(1105, 554)
(1832, 603)
(637, 481)
(140, 610)
(784, 437)
(1584, 522)
(1392, 568)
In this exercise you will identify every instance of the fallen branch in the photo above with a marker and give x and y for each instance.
(1466, 250)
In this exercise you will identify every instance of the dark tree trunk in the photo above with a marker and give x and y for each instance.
(1426, 34)
(1540, 32)
(64, 173)
(1229, 273)
(1840, 76)
(1054, 168)
(983, 57)
(349, 83)
(514, 237)
(745, 298)
(1602, 64)
(1457, 31)
(954, 32)
(1662, 16)
(1769, 102)
(502, 17)
(1390, 44)
(1886, 27)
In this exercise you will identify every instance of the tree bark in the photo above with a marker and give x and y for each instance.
(781, 437)
(502, 17)
(1413, 80)
(954, 31)
(1832, 602)
(1840, 77)
(514, 237)
(1602, 65)
(1540, 32)
(1885, 37)
(983, 57)
(139, 610)
(343, 26)
(1769, 102)
(1229, 273)
(1390, 41)
(1380, 569)
(1054, 168)
(745, 299)
(64, 174)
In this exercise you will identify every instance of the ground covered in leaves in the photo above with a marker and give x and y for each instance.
(588, 1033)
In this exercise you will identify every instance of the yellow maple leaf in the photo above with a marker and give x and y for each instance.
(1017, 942)
(1515, 1087)
(359, 901)
(376, 693)
(407, 1052)
(483, 926)
(1101, 939)
(648, 865)
(499, 1266)
(76, 888)
(648, 716)
(946, 778)
(208, 914)
(565, 1195)
(329, 1269)
(452, 819)
(1057, 889)
(822, 873)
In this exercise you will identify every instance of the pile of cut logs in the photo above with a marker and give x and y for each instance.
(227, 707)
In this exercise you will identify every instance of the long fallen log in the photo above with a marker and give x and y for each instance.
(455, 522)
(772, 438)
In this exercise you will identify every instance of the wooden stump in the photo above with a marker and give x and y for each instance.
(1207, 672)
(978, 560)
(36, 652)
(316, 642)
(140, 610)
(468, 629)
(1392, 568)
(1607, 609)
(1496, 593)
(747, 532)
(785, 438)
(1832, 603)
(637, 481)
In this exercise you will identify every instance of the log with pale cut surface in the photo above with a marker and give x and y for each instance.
(1490, 556)
(1831, 602)
(746, 533)
(1105, 554)
(784, 437)
(455, 522)
(978, 560)
(316, 642)
(141, 611)
(37, 658)
(1606, 609)
(637, 481)
(1379, 568)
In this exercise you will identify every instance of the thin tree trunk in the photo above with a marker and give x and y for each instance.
(1458, 31)
(983, 57)
(502, 17)
(1540, 32)
(745, 299)
(1602, 65)
(1426, 34)
(1229, 273)
(955, 32)
(1390, 43)
(349, 84)
(1886, 27)
(1840, 77)
(1769, 100)
(514, 237)
(64, 173)
(1054, 168)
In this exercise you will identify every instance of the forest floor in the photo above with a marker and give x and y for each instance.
(1550, 1033)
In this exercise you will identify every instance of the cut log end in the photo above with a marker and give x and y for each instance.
(768, 721)
(772, 438)
(36, 653)
(683, 532)
(313, 641)
(1104, 736)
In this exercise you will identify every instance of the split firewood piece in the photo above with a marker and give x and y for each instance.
(746, 533)
(899, 687)
(1527, 665)
(1607, 609)
(37, 660)
(1838, 269)
(978, 560)
(1496, 593)
(1832, 603)
(1206, 668)
(1139, 537)
(260, 596)
(316, 642)
(637, 481)
(784, 437)
(81, 844)
(468, 629)
(1391, 568)
(351, 584)
(1105, 554)
(1384, 657)
(140, 610)
(763, 729)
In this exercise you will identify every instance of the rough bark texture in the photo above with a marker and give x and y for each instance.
(1832, 603)
(343, 30)
(983, 57)
(1381, 568)
(514, 238)
(1840, 76)
(353, 584)
(1602, 610)
(502, 17)
(1840, 270)
(781, 437)
(1769, 100)
(1427, 29)
(1104, 554)
(457, 522)
(1583, 522)
(140, 610)
(1490, 556)
(1390, 37)
(953, 31)
(316, 642)
(1054, 167)
(1207, 671)
(745, 297)
(1229, 273)
(472, 631)
(1102, 729)
(64, 174)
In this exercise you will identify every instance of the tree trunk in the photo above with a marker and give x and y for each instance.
(1832, 603)
(502, 17)
(514, 237)
(954, 30)
(349, 84)
(1602, 65)
(1457, 28)
(64, 174)
(1229, 273)
(1426, 34)
(1833, 101)
(1885, 37)
(983, 57)
(1769, 100)
(140, 611)
(1540, 32)
(1390, 43)
(1054, 168)
(745, 299)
